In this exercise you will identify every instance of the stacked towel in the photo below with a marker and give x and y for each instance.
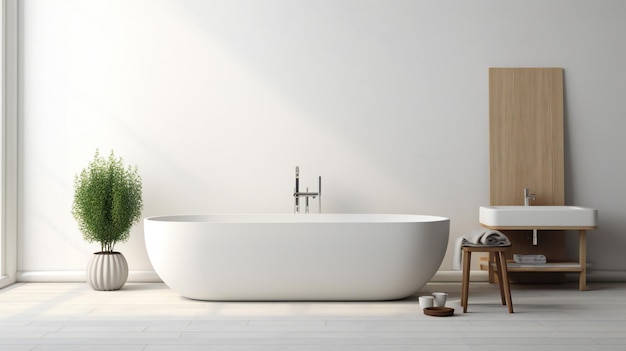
(530, 259)
(478, 237)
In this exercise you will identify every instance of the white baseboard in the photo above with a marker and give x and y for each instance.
(456, 276)
(482, 276)
(603, 276)
(152, 277)
(79, 276)
(6, 281)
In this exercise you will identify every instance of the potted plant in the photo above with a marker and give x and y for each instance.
(107, 202)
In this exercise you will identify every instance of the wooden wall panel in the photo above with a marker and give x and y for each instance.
(526, 135)
(526, 150)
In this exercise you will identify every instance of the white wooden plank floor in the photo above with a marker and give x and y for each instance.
(151, 317)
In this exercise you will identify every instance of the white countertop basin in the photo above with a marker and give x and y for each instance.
(538, 216)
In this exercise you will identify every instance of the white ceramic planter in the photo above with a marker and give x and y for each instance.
(107, 271)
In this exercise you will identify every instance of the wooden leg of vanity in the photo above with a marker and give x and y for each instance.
(582, 258)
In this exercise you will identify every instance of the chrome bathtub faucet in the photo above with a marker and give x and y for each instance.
(306, 195)
(528, 197)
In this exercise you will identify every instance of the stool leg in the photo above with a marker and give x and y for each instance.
(505, 281)
(466, 274)
(490, 269)
(499, 276)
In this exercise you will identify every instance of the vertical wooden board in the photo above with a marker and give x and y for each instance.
(526, 135)
(526, 146)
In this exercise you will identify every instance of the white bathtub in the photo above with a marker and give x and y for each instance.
(296, 257)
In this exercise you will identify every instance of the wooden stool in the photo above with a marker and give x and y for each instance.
(501, 271)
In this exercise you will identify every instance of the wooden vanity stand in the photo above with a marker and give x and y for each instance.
(579, 267)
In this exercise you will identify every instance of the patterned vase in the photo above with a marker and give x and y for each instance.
(107, 271)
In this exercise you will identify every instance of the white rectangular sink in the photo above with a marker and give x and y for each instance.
(538, 216)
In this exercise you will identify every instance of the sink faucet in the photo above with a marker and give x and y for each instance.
(297, 194)
(528, 196)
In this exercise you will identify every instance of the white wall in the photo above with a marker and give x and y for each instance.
(216, 102)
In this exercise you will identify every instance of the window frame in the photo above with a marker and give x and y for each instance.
(9, 141)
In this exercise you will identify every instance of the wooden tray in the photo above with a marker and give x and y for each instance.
(439, 311)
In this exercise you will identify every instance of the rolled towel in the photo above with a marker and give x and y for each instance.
(478, 237)
(494, 239)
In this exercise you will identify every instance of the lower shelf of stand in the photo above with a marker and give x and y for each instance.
(547, 267)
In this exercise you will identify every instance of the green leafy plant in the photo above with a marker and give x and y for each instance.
(107, 201)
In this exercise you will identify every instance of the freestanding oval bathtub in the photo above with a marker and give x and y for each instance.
(296, 257)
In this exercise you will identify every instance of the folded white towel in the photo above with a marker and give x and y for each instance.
(478, 237)
(530, 259)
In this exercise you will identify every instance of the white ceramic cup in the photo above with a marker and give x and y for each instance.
(426, 301)
(440, 299)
